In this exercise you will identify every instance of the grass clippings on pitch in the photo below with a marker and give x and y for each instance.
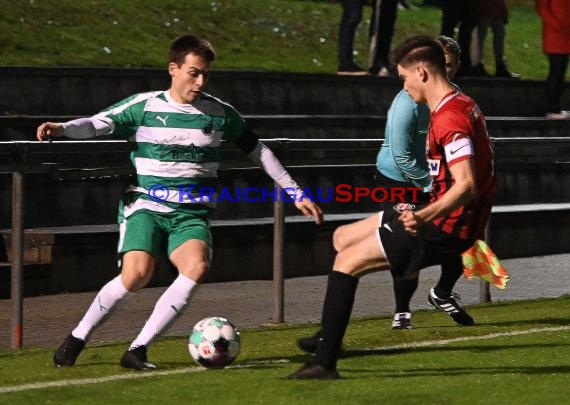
(517, 353)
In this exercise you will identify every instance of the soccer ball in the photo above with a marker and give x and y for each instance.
(214, 342)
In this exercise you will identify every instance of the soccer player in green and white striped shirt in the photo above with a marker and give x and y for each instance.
(178, 133)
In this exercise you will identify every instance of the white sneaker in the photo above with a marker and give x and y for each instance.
(402, 320)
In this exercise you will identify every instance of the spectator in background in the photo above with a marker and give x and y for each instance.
(351, 17)
(384, 13)
(493, 14)
(555, 15)
(459, 12)
(380, 35)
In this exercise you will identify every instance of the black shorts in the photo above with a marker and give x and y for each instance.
(409, 254)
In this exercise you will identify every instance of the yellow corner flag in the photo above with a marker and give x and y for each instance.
(480, 261)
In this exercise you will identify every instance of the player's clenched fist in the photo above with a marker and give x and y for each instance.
(411, 221)
(49, 130)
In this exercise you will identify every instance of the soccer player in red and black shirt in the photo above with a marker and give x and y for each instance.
(460, 157)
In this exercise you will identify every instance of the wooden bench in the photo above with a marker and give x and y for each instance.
(37, 246)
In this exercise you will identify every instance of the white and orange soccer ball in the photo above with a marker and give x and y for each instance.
(214, 342)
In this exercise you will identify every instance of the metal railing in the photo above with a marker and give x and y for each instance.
(22, 157)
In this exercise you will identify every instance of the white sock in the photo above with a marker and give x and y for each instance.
(109, 296)
(169, 306)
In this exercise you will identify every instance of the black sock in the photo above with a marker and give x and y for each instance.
(451, 270)
(337, 308)
(403, 290)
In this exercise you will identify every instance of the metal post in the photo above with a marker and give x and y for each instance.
(484, 290)
(280, 149)
(278, 248)
(17, 267)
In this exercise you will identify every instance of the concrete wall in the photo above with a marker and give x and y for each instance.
(84, 91)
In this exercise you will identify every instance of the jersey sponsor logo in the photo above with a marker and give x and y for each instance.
(433, 165)
(189, 153)
(163, 120)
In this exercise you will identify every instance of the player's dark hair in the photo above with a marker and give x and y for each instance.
(450, 46)
(189, 43)
(420, 49)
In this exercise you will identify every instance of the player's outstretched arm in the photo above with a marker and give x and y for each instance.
(80, 128)
(49, 130)
(263, 157)
(268, 162)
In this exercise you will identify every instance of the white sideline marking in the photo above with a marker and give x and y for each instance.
(135, 375)
(81, 381)
(129, 376)
(466, 339)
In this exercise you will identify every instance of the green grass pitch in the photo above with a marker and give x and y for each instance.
(517, 353)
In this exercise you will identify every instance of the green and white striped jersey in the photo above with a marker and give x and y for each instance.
(177, 146)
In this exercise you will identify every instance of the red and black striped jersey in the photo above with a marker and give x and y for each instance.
(458, 132)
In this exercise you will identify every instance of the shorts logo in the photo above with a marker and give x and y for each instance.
(401, 207)
(433, 166)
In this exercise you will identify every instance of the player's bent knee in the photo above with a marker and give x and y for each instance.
(135, 278)
(339, 238)
(136, 270)
(358, 261)
(195, 271)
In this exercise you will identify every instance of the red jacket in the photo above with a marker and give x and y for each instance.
(555, 16)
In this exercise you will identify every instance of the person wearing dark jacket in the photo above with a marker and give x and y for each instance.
(555, 15)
